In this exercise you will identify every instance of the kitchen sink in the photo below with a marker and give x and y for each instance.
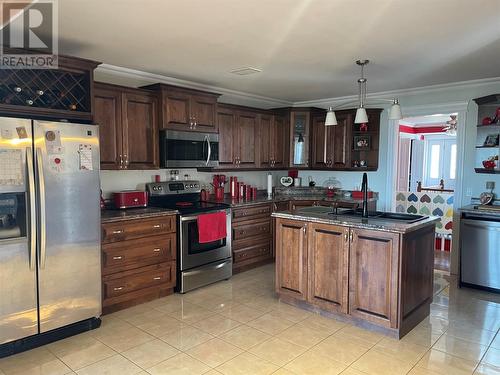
(408, 218)
(396, 216)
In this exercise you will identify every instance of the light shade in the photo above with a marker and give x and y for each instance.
(331, 119)
(395, 111)
(361, 116)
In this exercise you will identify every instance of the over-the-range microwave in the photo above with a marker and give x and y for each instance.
(180, 149)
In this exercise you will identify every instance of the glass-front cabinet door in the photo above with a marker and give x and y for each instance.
(301, 134)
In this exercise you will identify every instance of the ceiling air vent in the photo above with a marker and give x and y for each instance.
(246, 70)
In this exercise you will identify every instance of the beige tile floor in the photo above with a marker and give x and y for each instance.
(239, 327)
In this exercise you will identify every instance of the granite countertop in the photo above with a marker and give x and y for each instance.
(111, 215)
(283, 198)
(482, 212)
(358, 222)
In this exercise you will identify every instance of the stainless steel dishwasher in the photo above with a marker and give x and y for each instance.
(480, 251)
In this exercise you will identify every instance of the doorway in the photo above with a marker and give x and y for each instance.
(426, 175)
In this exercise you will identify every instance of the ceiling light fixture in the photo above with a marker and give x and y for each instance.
(451, 126)
(361, 115)
(246, 70)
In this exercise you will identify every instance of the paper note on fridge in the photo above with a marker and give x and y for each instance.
(85, 152)
(11, 167)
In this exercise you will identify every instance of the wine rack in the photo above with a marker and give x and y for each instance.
(64, 93)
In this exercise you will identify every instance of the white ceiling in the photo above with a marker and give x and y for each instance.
(306, 48)
(424, 121)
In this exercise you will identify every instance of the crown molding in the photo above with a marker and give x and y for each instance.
(243, 98)
(228, 95)
(400, 93)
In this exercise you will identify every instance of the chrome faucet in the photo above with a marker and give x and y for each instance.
(364, 189)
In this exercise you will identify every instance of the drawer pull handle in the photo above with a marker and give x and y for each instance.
(119, 231)
(157, 278)
(118, 288)
(117, 258)
(157, 250)
(157, 226)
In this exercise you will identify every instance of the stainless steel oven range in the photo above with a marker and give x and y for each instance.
(198, 264)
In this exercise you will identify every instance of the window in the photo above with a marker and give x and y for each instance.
(440, 161)
(435, 161)
(453, 161)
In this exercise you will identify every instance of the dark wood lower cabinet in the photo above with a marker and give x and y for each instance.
(251, 236)
(373, 276)
(328, 248)
(376, 279)
(138, 261)
(291, 258)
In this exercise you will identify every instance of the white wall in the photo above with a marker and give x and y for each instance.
(125, 180)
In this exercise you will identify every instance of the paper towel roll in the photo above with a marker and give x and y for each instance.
(269, 185)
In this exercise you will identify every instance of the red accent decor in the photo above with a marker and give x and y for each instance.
(212, 227)
(359, 194)
(427, 129)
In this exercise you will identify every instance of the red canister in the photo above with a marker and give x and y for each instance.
(233, 187)
(254, 193)
(241, 190)
(248, 192)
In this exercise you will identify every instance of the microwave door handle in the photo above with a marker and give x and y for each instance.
(41, 189)
(31, 187)
(209, 150)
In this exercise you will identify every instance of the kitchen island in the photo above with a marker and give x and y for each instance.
(374, 272)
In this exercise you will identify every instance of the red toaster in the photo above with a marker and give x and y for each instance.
(130, 199)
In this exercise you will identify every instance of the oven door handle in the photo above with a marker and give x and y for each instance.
(195, 217)
(209, 150)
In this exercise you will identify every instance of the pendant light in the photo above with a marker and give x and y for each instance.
(361, 115)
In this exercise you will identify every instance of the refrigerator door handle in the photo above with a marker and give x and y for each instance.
(31, 187)
(41, 190)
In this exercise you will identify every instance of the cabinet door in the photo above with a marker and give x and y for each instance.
(203, 112)
(338, 142)
(140, 126)
(373, 276)
(320, 159)
(279, 136)
(266, 141)
(176, 110)
(227, 138)
(108, 115)
(328, 247)
(291, 258)
(247, 129)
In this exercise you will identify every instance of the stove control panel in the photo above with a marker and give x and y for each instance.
(173, 187)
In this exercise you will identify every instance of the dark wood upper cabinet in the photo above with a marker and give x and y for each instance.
(265, 136)
(128, 123)
(140, 125)
(108, 115)
(186, 109)
(227, 137)
(334, 147)
(247, 127)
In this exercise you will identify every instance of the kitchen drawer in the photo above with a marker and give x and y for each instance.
(136, 253)
(258, 228)
(252, 212)
(130, 229)
(160, 275)
(299, 204)
(252, 252)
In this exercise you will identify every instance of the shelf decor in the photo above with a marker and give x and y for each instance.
(488, 134)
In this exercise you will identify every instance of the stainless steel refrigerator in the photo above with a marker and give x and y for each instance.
(50, 270)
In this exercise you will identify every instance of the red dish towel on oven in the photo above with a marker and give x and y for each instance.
(212, 227)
